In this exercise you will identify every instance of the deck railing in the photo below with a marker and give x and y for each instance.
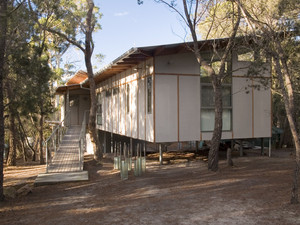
(53, 141)
(82, 140)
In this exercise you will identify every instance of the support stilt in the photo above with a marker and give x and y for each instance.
(160, 154)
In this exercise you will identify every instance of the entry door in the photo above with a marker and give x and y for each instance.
(74, 108)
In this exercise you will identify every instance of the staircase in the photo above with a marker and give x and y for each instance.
(66, 158)
(65, 165)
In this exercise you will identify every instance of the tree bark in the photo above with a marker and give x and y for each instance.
(287, 93)
(11, 161)
(3, 29)
(213, 155)
(98, 152)
(229, 157)
(12, 141)
(41, 134)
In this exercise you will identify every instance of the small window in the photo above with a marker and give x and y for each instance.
(108, 93)
(115, 91)
(205, 78)
(99, 109)
(246, 56)
(127, 98)
(149, 95)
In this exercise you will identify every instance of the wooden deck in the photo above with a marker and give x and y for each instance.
(65, 165)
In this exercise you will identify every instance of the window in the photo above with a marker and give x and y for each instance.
(99, 109)
(149, 95)
(245, 55)
(108, 93)
(115, 91)
(127, 98)
(208, 101)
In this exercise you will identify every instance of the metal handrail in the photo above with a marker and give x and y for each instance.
(56, 138)
(82, 140)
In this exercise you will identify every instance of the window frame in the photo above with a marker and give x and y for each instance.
(149, 91)
(205, 81)
(99, 109)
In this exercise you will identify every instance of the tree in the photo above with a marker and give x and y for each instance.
(3, 27)
(28, 76)
(275, 25)
(70, 20)
(193, 14)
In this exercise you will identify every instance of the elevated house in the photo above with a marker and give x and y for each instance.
(160, 94)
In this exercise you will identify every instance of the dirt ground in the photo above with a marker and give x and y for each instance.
(255, 191)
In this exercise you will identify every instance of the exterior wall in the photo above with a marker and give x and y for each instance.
(166, 115)
(262, 113)
(176, 102)
(177, 98)
(136, 123)
(251, 102)
(242, 107)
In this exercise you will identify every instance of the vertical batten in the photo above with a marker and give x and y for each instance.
(178, 111)
(153, 101)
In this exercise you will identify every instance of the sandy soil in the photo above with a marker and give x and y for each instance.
(255, 191)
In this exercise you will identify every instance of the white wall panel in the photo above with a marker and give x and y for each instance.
(242, 107)
(166, 123)
(134, 109)
(184, 63)
(122, 96)
(141, 109)
(262, 110)
(189, 108)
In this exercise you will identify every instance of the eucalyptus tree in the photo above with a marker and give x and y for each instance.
(74, 21)
(275, 24)
(3, 28)
(193, 14)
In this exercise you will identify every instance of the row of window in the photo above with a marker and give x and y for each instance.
(127, 105)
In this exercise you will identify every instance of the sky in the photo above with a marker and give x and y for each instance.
(125, 24)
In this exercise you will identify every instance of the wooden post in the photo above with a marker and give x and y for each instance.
(270, 147)
(160, 154)
(262, 146)
(111, 142)
(68, 121)
(241, 149)
(130, 147)
(197, 146)
(115, 148)
(103, 137)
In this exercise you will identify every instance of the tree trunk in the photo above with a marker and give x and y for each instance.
(287, 93)
(98, 152)
(213, 155)
(12, 141)
(3, 28)
(11, 161)
(229, 157)
(41, 132)
(35, 147)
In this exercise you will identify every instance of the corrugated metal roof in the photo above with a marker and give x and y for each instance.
(74, 82)
(134, 56)
(78, 78)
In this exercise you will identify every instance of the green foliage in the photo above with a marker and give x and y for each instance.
(218, 20)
